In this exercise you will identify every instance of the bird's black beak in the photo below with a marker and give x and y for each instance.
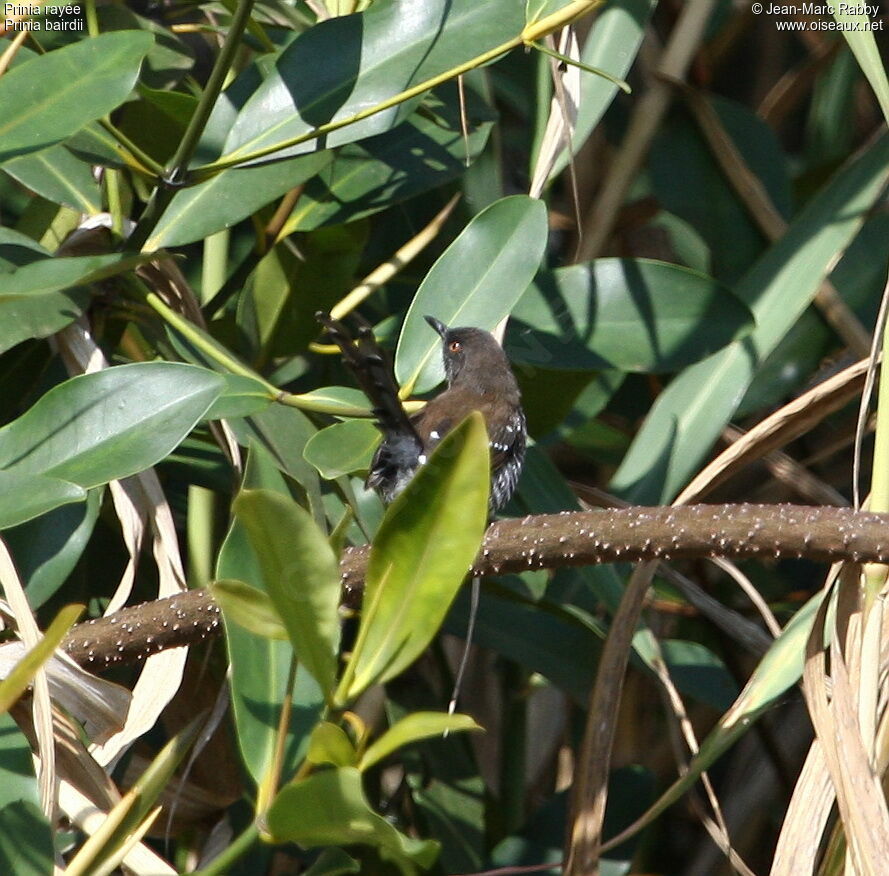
(438, 325)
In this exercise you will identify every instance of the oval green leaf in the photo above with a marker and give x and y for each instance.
(476, 281)
(624, 314)
(380, 53)
(419, 558)
(301, 573)
(343, 448)
(260, 667)
(25, 496)
(97, 427)
(38, 299)
(50, 97)
(412, 728)
(249, 607)
(329, 809)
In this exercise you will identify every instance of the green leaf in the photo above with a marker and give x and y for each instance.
(301, 574)
(261, 666)
(476, 281)
(243, 396)
(227, 198)
(37, 299)
(625, 314)
(57, 175)
(412, 728)
(861, 40)
(380, 53)
(26, 846)
(12, 687)
(17, 780)
(249, 607)
(47, 549)
(689, 415)
(330, 744)
(17, 249)
(26, 496)
(50, 97)
(424, 152)
(329, 809)
(339, 401)
(343, 448)
(419, 558)
(97, 427)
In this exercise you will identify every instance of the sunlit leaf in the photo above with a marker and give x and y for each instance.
(475, 282)
(329, 808)
(50, 97)
(301, 574)
(420, 556)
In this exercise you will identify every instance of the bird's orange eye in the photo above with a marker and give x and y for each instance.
(455, 346)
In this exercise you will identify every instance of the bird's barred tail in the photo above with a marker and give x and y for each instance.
(369, 363)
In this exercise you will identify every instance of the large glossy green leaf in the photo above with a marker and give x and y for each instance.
(227, 198)
(57, 175)
(260, 666)
(476, 281)
(380, 53)
(343, 448)
(329, 809)
(50, 97)
(687, 418)
(626, 314)
(25, 496)
(301, 574)
(422, 551)
(422, 153)
(38, 299)
(97, 427)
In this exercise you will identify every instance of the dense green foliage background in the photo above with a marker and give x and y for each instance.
(182, 186)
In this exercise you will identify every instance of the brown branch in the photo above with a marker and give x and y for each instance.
(547, 541)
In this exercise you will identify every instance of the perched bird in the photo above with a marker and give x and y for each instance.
(479, 379)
